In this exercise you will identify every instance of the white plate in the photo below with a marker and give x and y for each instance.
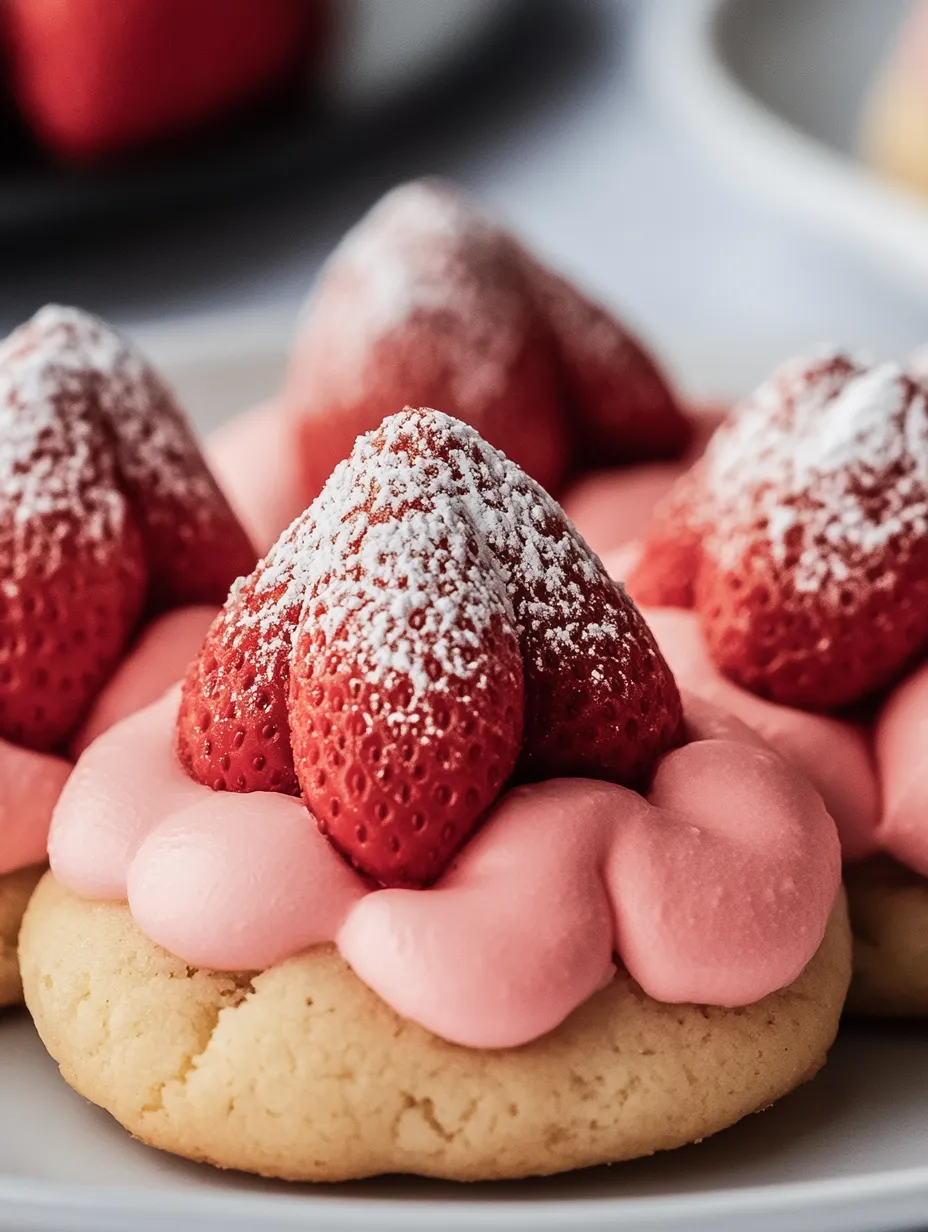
(773, 89)
(847, 1153)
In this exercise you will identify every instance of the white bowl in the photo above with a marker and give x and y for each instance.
(773, 89)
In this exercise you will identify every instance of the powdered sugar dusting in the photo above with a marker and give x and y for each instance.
(152, 438)
(828, 462)
(483, 542)
(422, 253)
(53, 460)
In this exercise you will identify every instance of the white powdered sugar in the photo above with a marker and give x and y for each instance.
(828, 463)
(151, 436)
(425, 253)
(420, 542)
(53, 458)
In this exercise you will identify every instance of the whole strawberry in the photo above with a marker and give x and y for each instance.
(106, 509)
(430, 627)
(427, 300)
(811, 573)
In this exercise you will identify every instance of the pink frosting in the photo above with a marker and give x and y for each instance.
(901, 743)
(835, 754)
(29, 786)
(715, 889)
(30, 783)
(255, 461)
(157, 660)
(612, 507)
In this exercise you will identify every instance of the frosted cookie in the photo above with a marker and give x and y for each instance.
(800, 542)
(108, 518)
(303, 1072)
(432, 785)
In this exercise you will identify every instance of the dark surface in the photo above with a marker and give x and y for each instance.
(277, 146)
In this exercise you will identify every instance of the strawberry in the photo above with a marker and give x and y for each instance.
(430, 627)
(425, 301)
(92, 77)
(194, 543)
(620, 407)
(73, 577)
(811, 579)
(76, 565)
(665, 573)
(233, 727)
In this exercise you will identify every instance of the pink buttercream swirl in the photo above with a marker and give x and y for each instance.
(716, 888)
(873, 778)
(31, 782)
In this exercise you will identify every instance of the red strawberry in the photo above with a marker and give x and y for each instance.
(425, 301)
(665, 573)
(73, 575)
(194, 543)
(402, 614)
(92, 76)
(233, 729)
(620, 407)
(83, 536)
(812, 576)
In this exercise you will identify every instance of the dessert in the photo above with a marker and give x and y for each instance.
(111, 529)
(428, 867)
(428, 301)
(800, 545)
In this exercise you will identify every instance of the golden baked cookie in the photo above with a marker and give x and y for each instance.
(15, 891)
(889, 921)
(302, 1072)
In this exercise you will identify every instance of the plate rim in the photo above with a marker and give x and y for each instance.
(25, 1199)
(832, 193)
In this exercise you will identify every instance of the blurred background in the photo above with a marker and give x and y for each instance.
(740, 178)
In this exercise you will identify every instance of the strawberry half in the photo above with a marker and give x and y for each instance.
(619, 405)
(428, 301)
(195, 545)
(431, 626)
(811, 578)
(83, 540)
(425, 301)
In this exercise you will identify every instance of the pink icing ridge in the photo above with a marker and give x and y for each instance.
(256, 462)
(31, 782)
(901, 740)
(158, 659)
(29, 786)
(836, 755)
(715, 889)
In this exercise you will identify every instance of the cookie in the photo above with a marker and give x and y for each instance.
(888, 905)
(15, 890)
(301, 1072)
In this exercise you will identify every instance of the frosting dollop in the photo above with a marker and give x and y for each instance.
(835, 754)
(715, 888)
(31, 782)
(901, 737)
